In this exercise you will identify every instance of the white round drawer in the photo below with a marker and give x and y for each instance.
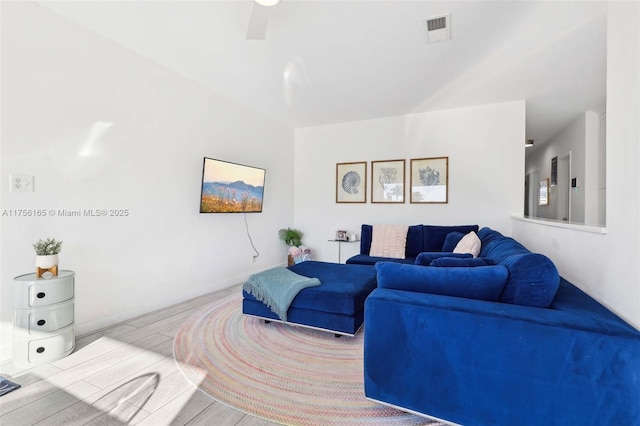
(51, 348)
(44, 319)
(32, 291)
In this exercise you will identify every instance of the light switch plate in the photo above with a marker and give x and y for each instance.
(21, 183)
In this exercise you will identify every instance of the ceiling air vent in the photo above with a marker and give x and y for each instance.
(438, 28)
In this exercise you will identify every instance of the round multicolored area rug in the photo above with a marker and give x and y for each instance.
(284, 374)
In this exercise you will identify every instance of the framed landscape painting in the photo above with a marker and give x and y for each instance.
(430, 180)
(351, 182)
(387, 181)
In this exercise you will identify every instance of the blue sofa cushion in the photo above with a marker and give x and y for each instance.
(472, 283)
(434, 235)
(533, 280)
(366, 235)
(414, 240)
(365, 259)
(498, 247)
(425, 259)
(454, 262)
(413, 246)
(451, 241)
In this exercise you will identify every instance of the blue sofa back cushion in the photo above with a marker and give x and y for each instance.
(365, 259)
(454, 262)
(413, 246)
(425, 259)
(497, 246)
(451, 241)
(484, 283)
(533, 278)
(414, 241)
(434, 236)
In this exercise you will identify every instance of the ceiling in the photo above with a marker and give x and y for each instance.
(334, 61)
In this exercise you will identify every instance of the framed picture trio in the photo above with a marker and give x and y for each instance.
(428, 181)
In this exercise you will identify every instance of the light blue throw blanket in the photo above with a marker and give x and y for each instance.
(277, 287)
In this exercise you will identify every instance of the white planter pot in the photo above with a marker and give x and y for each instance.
(46, 262)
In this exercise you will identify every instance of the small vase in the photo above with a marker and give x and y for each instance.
(48, 261)
(47, 266)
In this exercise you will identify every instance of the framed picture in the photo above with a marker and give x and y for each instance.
(543, 197)
(430, 180)
(387, 181)
(341, 235)
(351, 182)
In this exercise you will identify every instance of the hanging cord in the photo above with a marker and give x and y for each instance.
(250, 240)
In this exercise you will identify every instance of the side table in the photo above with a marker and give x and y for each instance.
(44, 318)
(340, 246)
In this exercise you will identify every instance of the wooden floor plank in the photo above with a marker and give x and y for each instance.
(222, 414)
(254, 421)
(126, 368)
(179, 411)
(152, 317)
(100, 346)
(107, 360)
(32, 375)
(167, 389)
(45, 407)
(25, 395)
(159, 325)
(124, 373)
(114, 331)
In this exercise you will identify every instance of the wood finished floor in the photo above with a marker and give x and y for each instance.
(125, 374)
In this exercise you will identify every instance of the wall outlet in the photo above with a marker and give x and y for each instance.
(21, 183)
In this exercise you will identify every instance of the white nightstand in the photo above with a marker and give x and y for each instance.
(43, 324)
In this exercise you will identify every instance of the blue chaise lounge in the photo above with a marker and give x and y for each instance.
(336, 305)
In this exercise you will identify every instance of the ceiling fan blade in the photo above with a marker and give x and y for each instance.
(257, 29)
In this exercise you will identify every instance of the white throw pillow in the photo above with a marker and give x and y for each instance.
(470, 243)
(389, 241)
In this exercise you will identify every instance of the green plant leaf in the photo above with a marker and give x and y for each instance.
(47, 247)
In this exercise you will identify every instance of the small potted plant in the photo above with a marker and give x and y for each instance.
(47, 255)
(292, 237)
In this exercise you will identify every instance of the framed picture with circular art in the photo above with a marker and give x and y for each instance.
(351, 182)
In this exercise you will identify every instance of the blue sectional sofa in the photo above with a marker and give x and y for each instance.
(420, 238)
(510, 343)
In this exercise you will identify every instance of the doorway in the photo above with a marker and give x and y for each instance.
(562, 190)
(531, 193)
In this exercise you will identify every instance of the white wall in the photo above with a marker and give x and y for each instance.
(590, 184)
(58, 81)
(484, 188)
(608, 266)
